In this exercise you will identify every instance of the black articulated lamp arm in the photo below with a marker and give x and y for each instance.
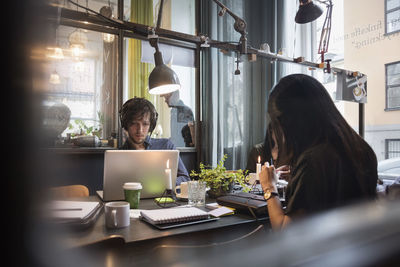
(326, 30)
(239, 26)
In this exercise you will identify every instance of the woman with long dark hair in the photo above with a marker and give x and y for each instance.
(331, 165)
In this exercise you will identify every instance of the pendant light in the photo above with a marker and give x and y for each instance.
(307, 12)
(106, 11)
(162, 79)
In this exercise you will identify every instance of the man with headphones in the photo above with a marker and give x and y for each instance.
(138, 117)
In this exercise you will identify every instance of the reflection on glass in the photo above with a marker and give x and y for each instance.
(82, 87)
(176, 110)
(177, 15)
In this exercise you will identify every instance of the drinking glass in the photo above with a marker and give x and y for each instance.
(196, 193)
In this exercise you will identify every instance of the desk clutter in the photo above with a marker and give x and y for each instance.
(76, 214)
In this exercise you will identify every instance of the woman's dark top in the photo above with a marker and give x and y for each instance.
(323, 179)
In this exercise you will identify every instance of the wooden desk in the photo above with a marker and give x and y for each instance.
(139, 241)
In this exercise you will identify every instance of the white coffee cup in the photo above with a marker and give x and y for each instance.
(184, 190)
(117, 214)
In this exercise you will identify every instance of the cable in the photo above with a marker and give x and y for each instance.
(212, 244)
(98, 14)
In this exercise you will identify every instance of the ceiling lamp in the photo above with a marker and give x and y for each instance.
(162, 79)
(77, 41)
(307, 12)
(106, 11)
(54, 78)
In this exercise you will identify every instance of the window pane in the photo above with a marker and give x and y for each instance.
(94, 5)
(393, 69)
(177, 15)
(393, 150)
(393, 21)
(394, 97)
(390, 4)
(394, 79)
(393, 74)
(82, 87)
(176, 113)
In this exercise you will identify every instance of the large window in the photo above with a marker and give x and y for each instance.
(392, 16)
(84, 94)
(393, 86)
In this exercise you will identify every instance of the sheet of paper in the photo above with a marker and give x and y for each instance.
(221, 212)
(134, 213)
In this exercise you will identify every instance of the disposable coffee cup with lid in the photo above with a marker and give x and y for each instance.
(132, 194)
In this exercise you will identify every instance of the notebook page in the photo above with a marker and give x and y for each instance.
(159, 216)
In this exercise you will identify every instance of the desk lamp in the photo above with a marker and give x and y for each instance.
(308, 12)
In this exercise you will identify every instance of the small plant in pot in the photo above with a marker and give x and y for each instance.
(219, 180)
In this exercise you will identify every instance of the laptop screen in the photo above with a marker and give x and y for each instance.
(144, 166)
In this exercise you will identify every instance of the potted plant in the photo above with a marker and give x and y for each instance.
(219, 180)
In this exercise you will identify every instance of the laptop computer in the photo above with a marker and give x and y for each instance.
(144, 166)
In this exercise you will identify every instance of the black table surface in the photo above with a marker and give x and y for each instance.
(139, 231)
(141, 244)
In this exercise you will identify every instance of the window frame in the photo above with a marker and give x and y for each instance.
(387, 141)
(84, 20)
(389, 86)
(386, 13)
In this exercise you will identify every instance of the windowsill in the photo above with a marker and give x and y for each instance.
(392, 109)
(186, 149)
(390, 33)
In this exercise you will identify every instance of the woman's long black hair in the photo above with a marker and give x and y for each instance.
(303, 115)
(269, 144)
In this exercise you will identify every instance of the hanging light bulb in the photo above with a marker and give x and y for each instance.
(77, 41)
(77, 51)
(106, 11)
(58, 53)
(54, 78)
(108, 37)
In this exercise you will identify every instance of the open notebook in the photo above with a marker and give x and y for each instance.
(174, 217)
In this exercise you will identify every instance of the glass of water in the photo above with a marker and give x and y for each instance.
(196, 193)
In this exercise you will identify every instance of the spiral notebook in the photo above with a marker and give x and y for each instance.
(175, 217)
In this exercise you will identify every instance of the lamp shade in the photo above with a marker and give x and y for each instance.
(307, 12)
(162, 79)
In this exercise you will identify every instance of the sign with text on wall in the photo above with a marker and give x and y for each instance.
(350, 88)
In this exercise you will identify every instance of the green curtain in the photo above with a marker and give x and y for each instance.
(142, 13)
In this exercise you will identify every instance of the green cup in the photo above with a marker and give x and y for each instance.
(132, 194)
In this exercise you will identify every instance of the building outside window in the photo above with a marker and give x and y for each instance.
(393, 86)
(392, 148)
(392, 16)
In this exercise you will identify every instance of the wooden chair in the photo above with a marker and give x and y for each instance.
(69, 191)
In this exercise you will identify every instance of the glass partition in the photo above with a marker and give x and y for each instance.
(82, 86)
(176, 112)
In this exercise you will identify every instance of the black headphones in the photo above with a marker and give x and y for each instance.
(137, 106)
